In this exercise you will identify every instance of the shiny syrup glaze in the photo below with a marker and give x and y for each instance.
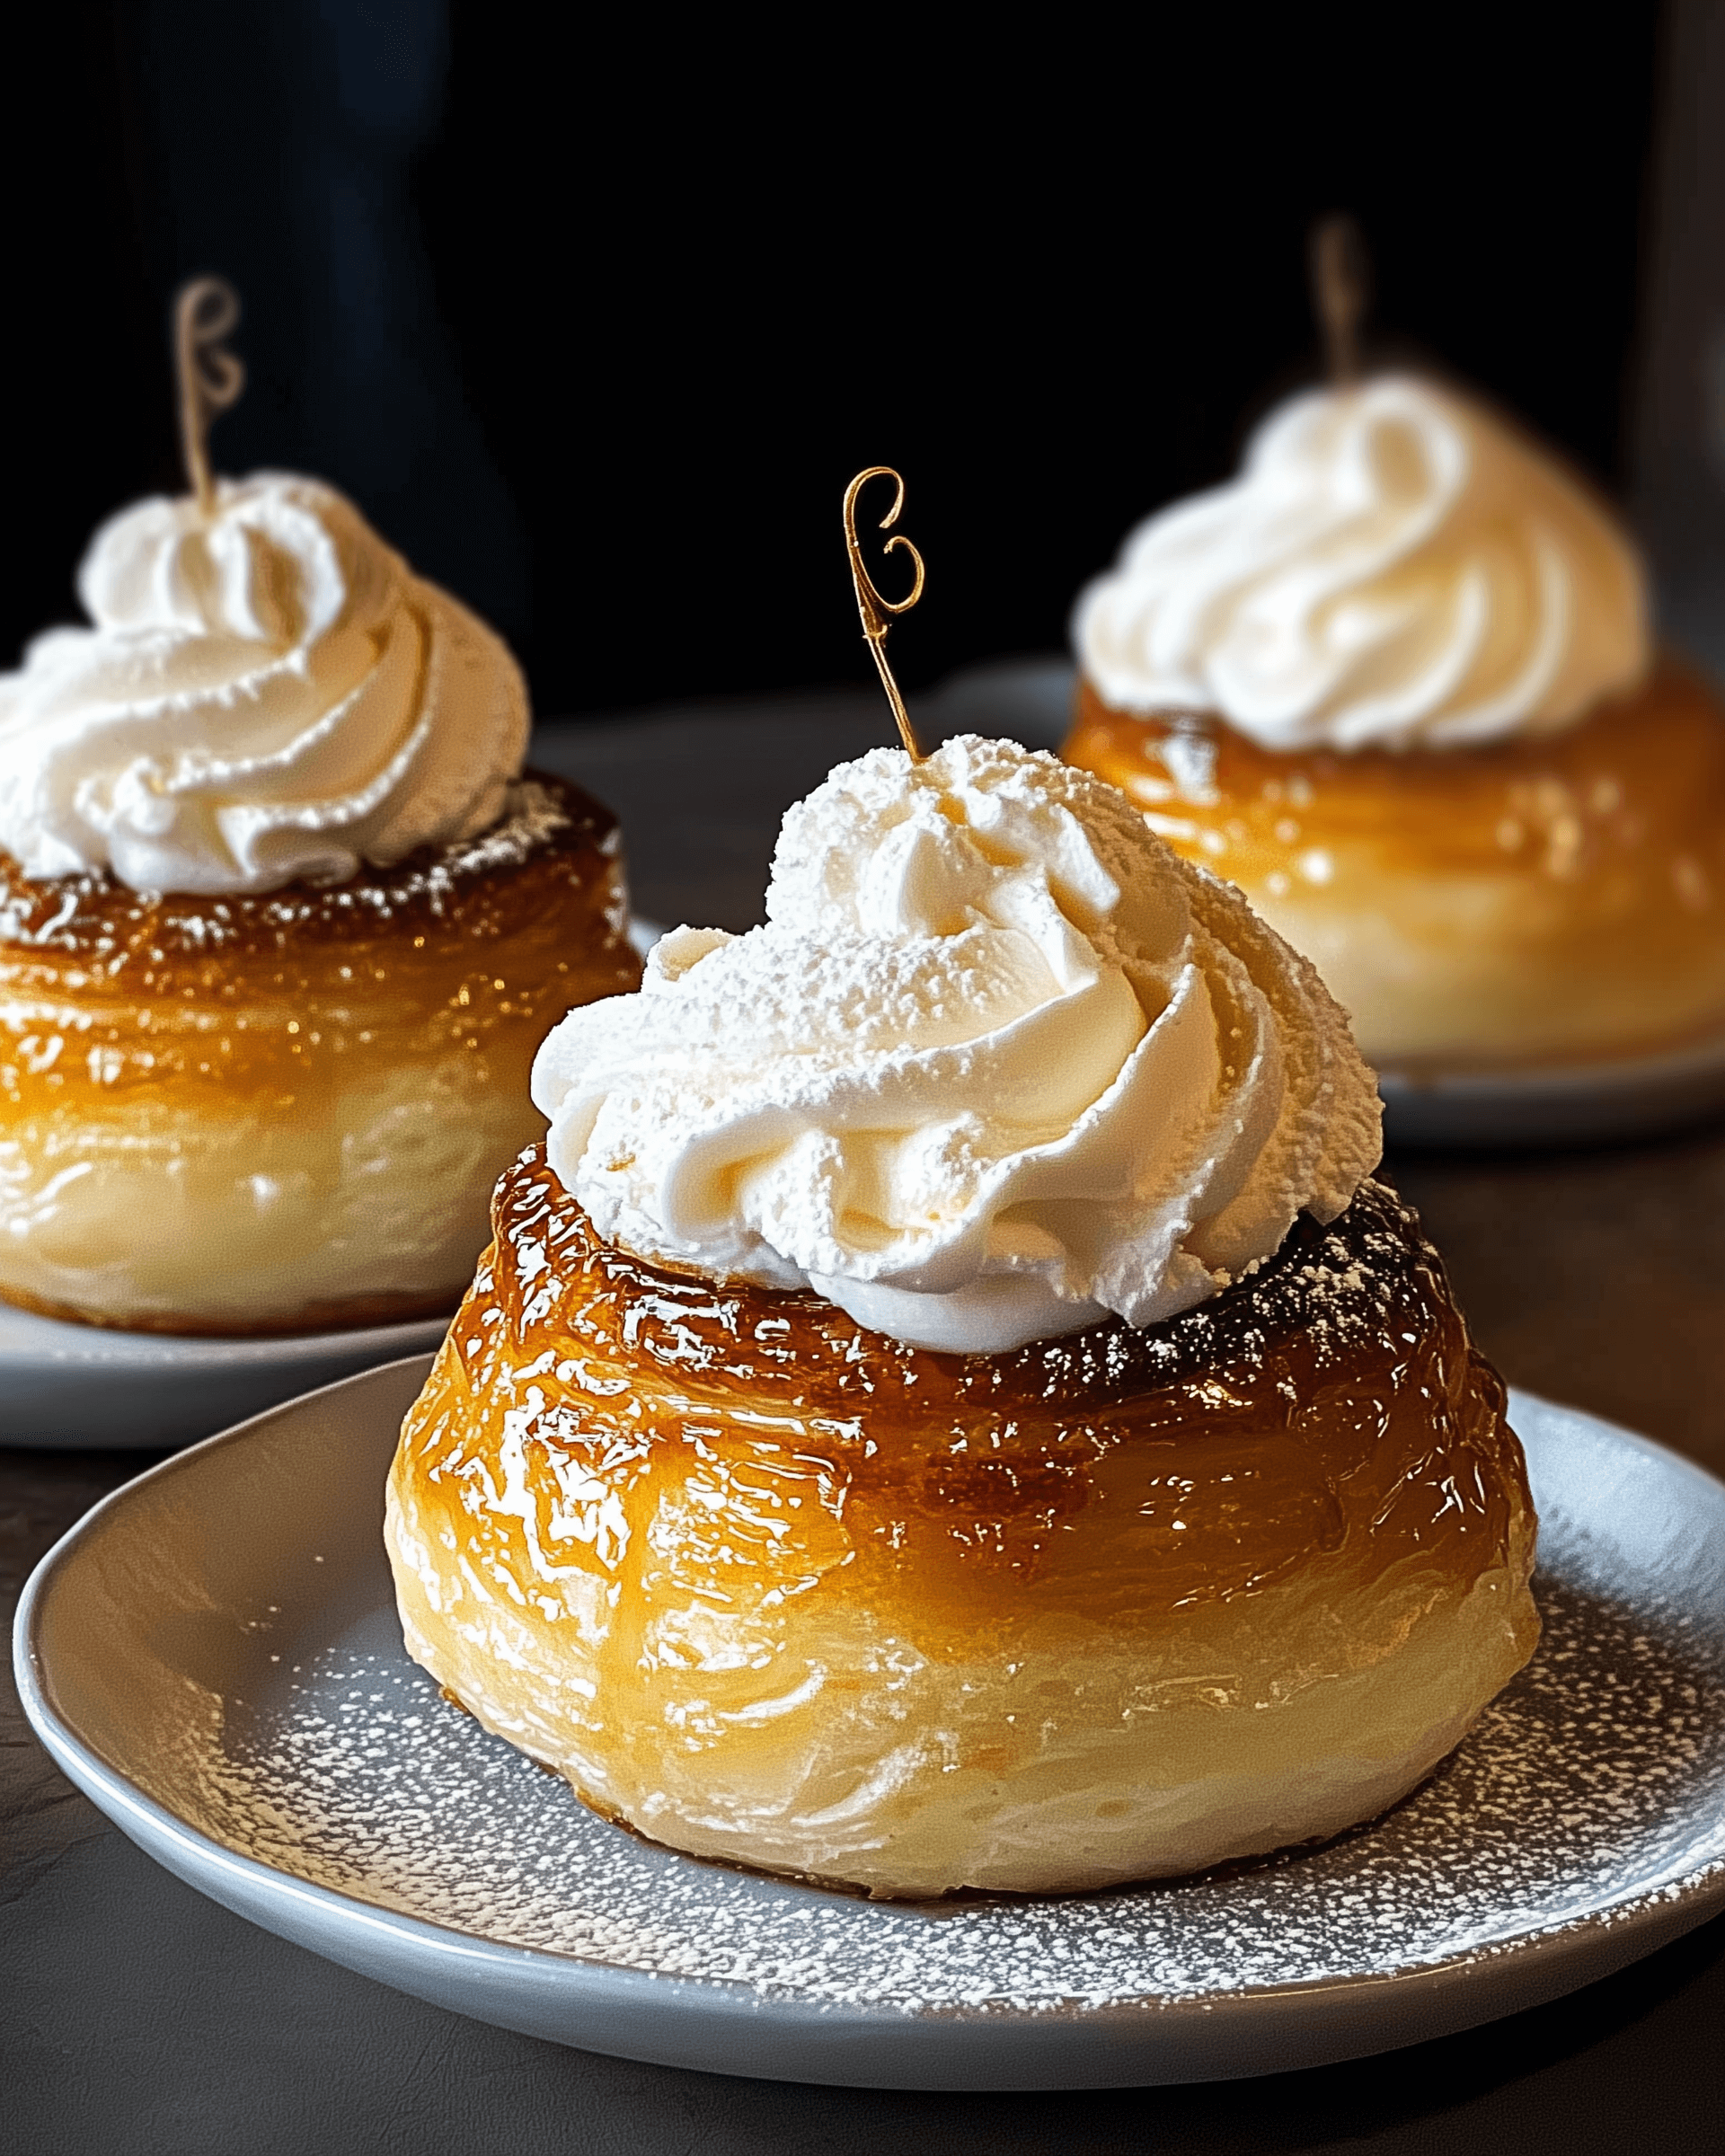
(1625, 810)
(740, 1447)
(111, 998)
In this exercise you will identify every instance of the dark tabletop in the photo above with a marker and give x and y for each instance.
(140, 2017)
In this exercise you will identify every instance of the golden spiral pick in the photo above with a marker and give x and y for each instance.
(1340, 277)
(878, 613)
(204, 311)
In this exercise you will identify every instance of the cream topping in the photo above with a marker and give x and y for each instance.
(268, 693)
(1395, 567)
(998, 1063)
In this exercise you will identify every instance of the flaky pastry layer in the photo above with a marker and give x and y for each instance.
(777, 1590)
(1523, 902)
(276, 1114)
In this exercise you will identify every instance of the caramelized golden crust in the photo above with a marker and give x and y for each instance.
(710, 1551)
(252, 1114)
(1537, 899)
(88, 935)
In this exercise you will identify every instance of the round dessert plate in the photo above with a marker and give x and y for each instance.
(212, 1654)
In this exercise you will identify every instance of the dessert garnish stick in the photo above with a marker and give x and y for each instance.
(880, 613)
(1338, 283)
(204, 310)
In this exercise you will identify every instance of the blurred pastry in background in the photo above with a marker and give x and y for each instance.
(1396, 682)
(282, 924)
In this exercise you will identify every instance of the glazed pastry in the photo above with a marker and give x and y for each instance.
(1396, 681)
(281, 927)
(948, 1406)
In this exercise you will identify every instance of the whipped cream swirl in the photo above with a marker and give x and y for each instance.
(268, 694)
(1393, 568)
(998, 1064)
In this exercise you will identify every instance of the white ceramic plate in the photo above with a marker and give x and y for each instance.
(1563, 1104)
(1559, 1104)
(65, 1386)
(212, 1654)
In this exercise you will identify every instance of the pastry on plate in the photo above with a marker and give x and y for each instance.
(1396, 681)
(949, 1405)
(282, 924)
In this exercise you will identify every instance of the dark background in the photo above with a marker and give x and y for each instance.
(595, 318)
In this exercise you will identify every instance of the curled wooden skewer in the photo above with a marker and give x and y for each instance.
(1340, 286)
(204, 311)
(878, 613)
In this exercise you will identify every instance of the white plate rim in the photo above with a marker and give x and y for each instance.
(179, 1351)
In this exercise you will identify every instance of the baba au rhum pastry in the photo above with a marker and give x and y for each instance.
(948, 1406)
(282, 923)
(1396, 682)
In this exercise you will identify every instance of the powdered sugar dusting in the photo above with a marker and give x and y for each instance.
(1580, 1791)
(92, 916)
